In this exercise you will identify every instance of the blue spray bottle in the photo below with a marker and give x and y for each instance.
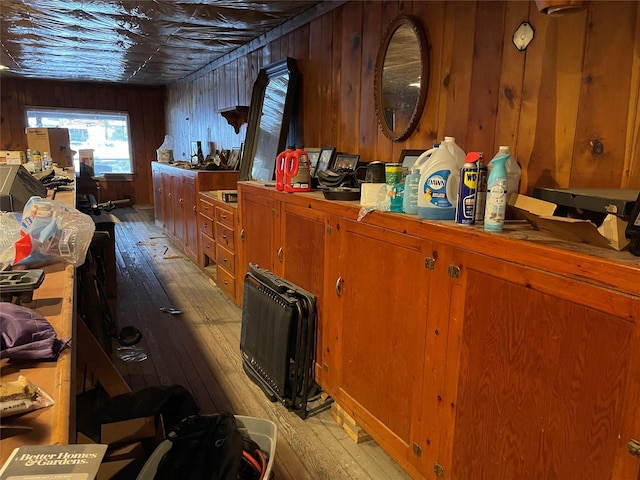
(496, 195)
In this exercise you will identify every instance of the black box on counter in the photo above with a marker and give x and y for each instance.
(227, 196)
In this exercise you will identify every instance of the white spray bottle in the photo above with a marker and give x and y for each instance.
(496, 194)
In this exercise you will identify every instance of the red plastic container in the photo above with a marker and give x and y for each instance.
(281, 163)
(297, 176)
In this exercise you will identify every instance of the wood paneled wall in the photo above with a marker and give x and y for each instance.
(145, 106)
(568, 106)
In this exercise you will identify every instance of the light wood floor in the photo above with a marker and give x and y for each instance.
(199, 349)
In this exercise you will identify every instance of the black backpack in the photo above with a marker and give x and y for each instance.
(202, 447)
(206, 447)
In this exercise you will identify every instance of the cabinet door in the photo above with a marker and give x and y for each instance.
(300, 259)
(157, 197)
(176, 223)
(377, 338)
(541, 376)
(190, 209)
(259, 217)
(167, 201)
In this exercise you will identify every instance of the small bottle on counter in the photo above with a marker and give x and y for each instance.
(47, 162)
(37, 161)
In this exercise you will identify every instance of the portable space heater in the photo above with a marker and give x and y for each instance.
(277, 340)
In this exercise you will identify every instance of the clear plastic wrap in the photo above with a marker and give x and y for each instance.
(50, 232)
(21, 396)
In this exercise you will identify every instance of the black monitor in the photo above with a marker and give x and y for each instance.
(17, 186)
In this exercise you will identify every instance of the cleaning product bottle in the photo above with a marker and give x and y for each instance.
(496, 194)
(410, 198)
(468, 190)
(37, 160)
(439, 178)
(514, 172)
(280, 167)
(297, 174)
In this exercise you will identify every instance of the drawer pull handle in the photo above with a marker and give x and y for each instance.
(280, 254)
(339, 283)
(223, 216)
(224, 236)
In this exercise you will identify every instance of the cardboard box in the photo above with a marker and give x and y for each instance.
(13, 157)
(539, 213)
(128, 430)
(52, 140)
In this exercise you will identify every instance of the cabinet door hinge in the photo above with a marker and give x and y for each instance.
(439, 471)
(329, 230)
(417, 450)
(454, 271)
(325, 367)
(430, 263)
(634, 448)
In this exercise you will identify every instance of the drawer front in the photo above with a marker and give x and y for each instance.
(226, 259)
(227, 284)
(206, 207)
(206, 226)
(225, 237)
(208, 245)
(225, 217)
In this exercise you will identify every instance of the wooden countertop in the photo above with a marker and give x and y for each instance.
(54, 300)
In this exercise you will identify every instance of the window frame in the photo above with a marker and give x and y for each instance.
(100, 164)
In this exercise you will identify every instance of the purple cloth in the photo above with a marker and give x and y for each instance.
(27, 335)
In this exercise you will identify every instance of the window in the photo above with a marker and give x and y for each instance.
(107, 133)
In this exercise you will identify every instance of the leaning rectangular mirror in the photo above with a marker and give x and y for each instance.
(272, 103)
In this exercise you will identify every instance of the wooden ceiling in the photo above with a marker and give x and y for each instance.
(152, 42)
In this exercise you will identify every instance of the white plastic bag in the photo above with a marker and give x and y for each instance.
(50, 231)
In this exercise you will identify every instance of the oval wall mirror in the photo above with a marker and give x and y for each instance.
(401, 78)
(270, 113)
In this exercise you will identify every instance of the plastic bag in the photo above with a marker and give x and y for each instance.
(22, 396)
(50, 231)
(9, 229)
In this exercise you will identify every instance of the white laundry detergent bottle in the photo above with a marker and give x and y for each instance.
(439, 179)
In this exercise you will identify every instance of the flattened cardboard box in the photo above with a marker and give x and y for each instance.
(539, 213)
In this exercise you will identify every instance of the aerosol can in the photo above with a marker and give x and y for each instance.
(468, 189)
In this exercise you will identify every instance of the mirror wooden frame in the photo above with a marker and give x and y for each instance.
(253, 139)
(421, 37)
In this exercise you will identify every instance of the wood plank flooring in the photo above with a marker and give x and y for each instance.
(199, 349)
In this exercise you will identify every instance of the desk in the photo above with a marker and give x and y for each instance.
(56, 424)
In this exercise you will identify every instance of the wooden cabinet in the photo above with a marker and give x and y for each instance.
(376, 328)
(218, 226)
(225, 229)
(206, 221)
(539, 379)
(259, 216)
(465, 355)
(176, 201)
(158, 209)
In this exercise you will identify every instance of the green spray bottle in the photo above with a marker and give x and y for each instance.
(496, 195)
